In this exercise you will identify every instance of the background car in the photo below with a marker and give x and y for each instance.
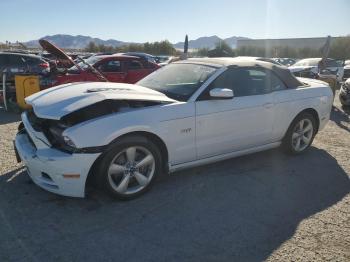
(344, 93)
(115, 68)
(285, 61)
(164, 60)
(145, 56)
(346, 70)
(23, 63)
(309, 68)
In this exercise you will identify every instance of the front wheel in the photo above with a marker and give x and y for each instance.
(130, 167)
(300, 134)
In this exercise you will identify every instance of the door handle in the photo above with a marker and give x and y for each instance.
(268, 105)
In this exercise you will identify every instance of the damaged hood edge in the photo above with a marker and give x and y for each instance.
(54, 103)
(58, 53)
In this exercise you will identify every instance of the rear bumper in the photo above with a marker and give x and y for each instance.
(55, 171)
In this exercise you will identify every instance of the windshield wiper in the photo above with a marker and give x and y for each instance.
(171, 95)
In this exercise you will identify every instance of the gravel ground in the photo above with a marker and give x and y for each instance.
(266, 206)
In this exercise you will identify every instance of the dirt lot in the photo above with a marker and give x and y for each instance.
(266, 206)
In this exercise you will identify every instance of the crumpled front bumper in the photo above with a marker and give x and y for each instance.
(53, 170)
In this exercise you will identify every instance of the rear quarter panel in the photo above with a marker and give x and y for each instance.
(289, 103)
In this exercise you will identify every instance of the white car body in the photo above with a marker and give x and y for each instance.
(346, 74)
(193, 132)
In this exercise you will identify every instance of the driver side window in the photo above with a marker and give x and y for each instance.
(245, 82)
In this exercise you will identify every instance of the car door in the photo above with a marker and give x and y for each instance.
(113, 70)
(245, 121)
(335, 68)
(135, 71)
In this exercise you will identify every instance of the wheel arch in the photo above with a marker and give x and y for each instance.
(309, 110)
(159, 142)
(312, 112)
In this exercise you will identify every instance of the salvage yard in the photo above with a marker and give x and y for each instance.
(265, 206)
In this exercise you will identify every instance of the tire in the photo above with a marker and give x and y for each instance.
(297, 140)
(129, 167)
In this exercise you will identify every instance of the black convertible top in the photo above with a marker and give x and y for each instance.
(281, 71)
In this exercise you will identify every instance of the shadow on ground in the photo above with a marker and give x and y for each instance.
(237, 210)
(340, 117)
(346, 109)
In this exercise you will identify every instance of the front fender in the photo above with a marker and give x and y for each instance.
(103, 130)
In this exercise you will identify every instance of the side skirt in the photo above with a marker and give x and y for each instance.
(217, 158)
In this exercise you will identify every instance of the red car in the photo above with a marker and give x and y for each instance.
(113, 68)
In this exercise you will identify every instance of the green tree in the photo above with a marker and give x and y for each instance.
(340, 48)
(222, 49)
(202, 52)
(251, 51)
(91, 47)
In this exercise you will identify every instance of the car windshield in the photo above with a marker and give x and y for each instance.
(162, 59)
(308, 62)
(91, 61)
(178, 81)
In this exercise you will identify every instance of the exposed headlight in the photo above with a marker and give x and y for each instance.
(68, 141)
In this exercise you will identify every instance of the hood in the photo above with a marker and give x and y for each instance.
(56, 102)
(294, 69)
(57, 52)
(312, 81)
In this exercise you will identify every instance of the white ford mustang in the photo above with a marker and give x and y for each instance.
(186, 114)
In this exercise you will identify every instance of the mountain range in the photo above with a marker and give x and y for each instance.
(209, 42)
(74, 42)
(80, 41)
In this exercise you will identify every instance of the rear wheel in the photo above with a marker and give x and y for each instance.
(130, 167)
(300, 134)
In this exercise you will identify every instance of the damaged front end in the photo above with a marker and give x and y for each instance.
(53, 129)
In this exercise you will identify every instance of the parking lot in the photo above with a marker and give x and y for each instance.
(266, 206)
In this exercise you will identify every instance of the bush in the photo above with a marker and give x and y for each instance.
(156, 48)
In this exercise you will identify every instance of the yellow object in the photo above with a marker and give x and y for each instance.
(25, 86)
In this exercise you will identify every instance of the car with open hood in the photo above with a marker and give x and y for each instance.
(310, 68)
(185, 114)
(109, 68)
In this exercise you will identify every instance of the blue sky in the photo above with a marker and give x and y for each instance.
(152, 20)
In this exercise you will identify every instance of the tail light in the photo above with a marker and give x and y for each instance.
(44, 65)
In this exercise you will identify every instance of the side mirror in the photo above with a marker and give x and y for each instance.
(221, 93)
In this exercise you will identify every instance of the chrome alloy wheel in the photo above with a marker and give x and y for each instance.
(131, 170)
(302, 135)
